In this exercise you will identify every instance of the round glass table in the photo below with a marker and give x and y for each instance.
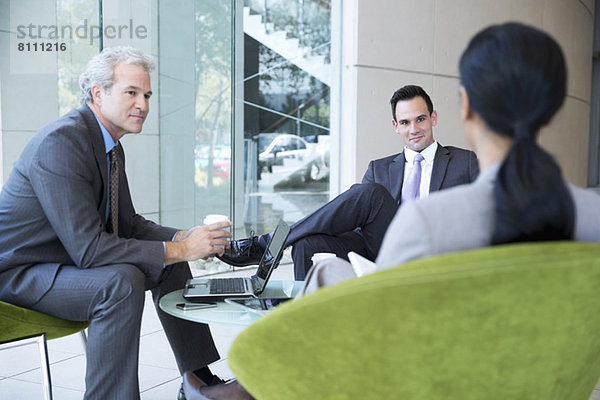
(225, 313)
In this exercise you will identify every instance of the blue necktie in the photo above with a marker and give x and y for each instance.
(410, 191)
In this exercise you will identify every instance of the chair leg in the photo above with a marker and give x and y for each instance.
(45, 366)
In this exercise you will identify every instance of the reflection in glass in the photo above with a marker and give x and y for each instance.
(195, 65)
(269, 157)
(213, 66)
(287, 73)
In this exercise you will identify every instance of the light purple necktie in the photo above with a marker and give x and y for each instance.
(410, 190)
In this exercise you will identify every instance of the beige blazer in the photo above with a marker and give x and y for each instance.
(456, 219)
(462, 218)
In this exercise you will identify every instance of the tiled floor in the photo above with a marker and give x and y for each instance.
(20, 374)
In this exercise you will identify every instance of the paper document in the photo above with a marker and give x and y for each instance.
(361, 265)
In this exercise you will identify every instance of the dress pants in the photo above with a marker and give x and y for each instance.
(112, 298)
(356, 220)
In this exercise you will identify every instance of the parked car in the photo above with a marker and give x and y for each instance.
(273, 148)
(293, 155)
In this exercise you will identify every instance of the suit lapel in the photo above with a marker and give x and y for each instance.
(396, 176)
(440, 165)
(99, 148)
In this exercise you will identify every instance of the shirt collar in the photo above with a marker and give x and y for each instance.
(428, 153)
(109, 143)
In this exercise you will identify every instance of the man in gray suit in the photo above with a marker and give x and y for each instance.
(357, 219)
(64, 252)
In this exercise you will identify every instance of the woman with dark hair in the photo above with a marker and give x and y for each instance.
(513, 81)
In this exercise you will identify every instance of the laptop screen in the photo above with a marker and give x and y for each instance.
(273, 252)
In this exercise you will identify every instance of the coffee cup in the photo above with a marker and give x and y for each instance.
(214, 218)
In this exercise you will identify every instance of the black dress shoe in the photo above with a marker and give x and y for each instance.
(243, 252)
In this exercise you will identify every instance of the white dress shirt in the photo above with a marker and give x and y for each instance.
(426, 167)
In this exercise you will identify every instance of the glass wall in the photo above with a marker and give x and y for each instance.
(286, 109)
(79, 48)
(53, 38)
(267, 157)
(195, 60)
(195, 92)
(213, 122)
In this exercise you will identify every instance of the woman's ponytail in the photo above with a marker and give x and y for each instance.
(515, 77)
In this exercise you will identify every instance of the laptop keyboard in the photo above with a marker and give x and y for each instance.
(227, 285)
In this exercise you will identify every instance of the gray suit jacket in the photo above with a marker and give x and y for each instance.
(462, 218)
(52, 210)
(452, 166)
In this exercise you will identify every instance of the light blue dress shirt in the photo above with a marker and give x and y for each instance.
(109, 144)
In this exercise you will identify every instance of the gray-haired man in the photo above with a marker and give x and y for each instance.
(64, 252)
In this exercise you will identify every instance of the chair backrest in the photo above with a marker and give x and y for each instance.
(17, 323)
(506, 322)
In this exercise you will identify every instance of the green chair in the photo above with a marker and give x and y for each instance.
(20, 326)
(506, 322)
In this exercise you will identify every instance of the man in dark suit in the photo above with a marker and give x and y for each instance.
(357, 219)
(66, 251)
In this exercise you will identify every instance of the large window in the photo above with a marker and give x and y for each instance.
(244, 99)
(286, 105)
(195, 69)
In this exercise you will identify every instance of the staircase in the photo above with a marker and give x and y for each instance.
(288, 48)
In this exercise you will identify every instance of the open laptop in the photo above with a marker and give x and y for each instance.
(201, 289)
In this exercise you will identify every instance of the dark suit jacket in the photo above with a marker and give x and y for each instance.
(52, 210)
(452, 166)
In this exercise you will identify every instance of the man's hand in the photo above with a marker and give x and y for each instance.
(198, 242)
(180, 235)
